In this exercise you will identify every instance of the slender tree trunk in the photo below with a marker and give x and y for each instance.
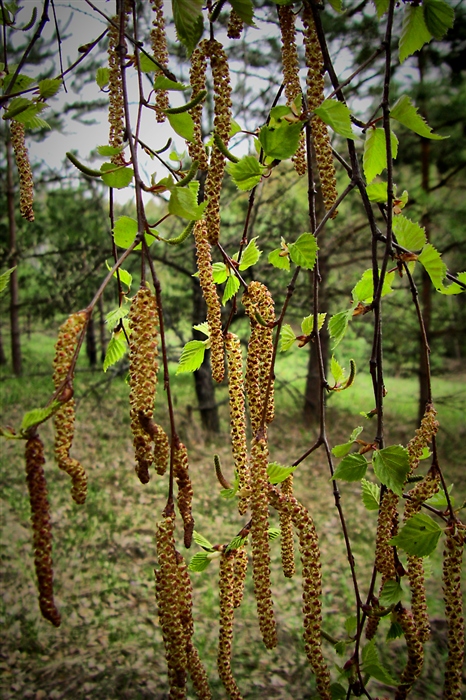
(312, 390)
(13, 261)
(102, 333)
(426, 291)
(91, 345)
(2, 350)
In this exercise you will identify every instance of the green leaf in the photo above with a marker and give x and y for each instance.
(38, 415)
(189, 24)
(307, 324)
(102, 77)
(280, 143)
(277, 473)
(370, 495)
(375, 152)
(199, 562)
(336, 689)
(231, 288)
(23, 110)
(220, 272)
(164, 83)
(337, 116)
(116, 349)
(408, 234)
(345, 448)
(340, 648)
(337, 371)
(274, 533)
(433, 264)
(391, 466)
(395, 630)
(125, 276)
(117, 178)
(277, 113)
(454, 288)
(406, 113)
(37, 122)
(245, 9)
(107, 151)
(192, 356)
(363, 291)
(439, 500)
(49, 87)
(351, 468)
(251, 254)
(392, 593)
(183, 124)
(247, 173)
(277, 260)
(4, 279)
(439, 17)
(113, 317)
(304, 251)
(372, 665)
(414, 32)
(125, 231)
(146, 64)
(236, 543)
(381, 6)
(183, 202)
(351, 625)
(377, 192)
(287, 337)
(337, 5)
(338, 325)
(419, 536)
(202, 542)
(203, 328)
(228, 493)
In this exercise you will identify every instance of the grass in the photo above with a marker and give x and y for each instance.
(109, 644)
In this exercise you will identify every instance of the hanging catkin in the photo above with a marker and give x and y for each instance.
(197, 80)
(286, 528)
(158, 42)
(222, 125)
(387, 525)
(290, 63)
(415, 650)
(240, 567)
(238, 418)
(143, 366)
(116, 110)
(64, 419)
(226, 604)
(422, 437)
(209, 291)
(42, 534)
(235, 25)
(26, 183)
(452, 572)
(315, 96)
(185, 490)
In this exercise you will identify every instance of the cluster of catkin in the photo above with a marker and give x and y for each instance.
(315, 96)
(68, 336)
(26, 184)
(149, 440)
(232, 572)
(116, 108)
(415, 661)
(452, 572)
(158, 42)
(174, 599)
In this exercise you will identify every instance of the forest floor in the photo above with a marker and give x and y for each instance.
(109, 644)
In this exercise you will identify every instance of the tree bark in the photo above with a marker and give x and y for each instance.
(91, 345)
(13, 262)
(426, 294)
(102, 333)
(312, 391)
(2, 350)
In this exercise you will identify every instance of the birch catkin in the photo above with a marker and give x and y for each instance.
(116, 110)
(185, 490)
(64, 419)
(197, 80)
(452, 571)
(226, 603)
(158, 42)
(387, 524)
(413, 667)
(286, 527)
(42, 534)
(26, 183)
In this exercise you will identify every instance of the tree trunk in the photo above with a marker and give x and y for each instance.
(13, 261)
(2, 350)
(102, 333)
(312, 391)
(91, 345)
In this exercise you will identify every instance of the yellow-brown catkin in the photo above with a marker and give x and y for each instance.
(315, 96)
(240, 567)
(185, 490)
(26, 183)
(41, 527)
(258, 300)
(260, 541)
(209, 291)
(290, 63)
(197, 80)
(161, 449)
(238, 419)
(421, 492)
(235, 25)
(170, 597)
(452, 569)
(415, 650)
(312, 584)
(64, 418)
(222, 125)
(373, 620)
(387, 525)
(226, 603)
(422, 437)
(286, 527)
(143, 367)
(158, 42)
(116, 110)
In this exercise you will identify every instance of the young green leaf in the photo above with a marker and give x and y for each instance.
(392, 593)
(251, 254)
(164, 83)
(146, 64)
(337, 371)
(304, 251)
(102, 77)
(124, 231)
(337, 691)
(419, 536)
(370, 495)
(372, 665)
(247, 173)
(414, 32)
(277, 473)
(408, 234)
(377, 192)
(338, 325)
(280, 143)
(433, 264)
(38, 415)
(278, 260)
(406, 113)
(274, 533)
(231, 288)
(245, 10)
(439, 500)
(340, 648)
(391, 466)
(113, 317)
(394, 631)
(228, 493)
(351, 468)
(119, 178)
(220, 272)
(116, 349)
(203, 328)
(337, 116)
(236, 543)
(107, 151)
(287, 337)
(351, 625)
(202, 542)
(189, 25)
(363, 291)
(183, 202)
(307, 324)
(199, 562)
(49, 87)
(4, 278)
(192, 356)
(345, 448)
(375, 152)
(381, 7)
(439, 17)
(182, 124)
(124, 275)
